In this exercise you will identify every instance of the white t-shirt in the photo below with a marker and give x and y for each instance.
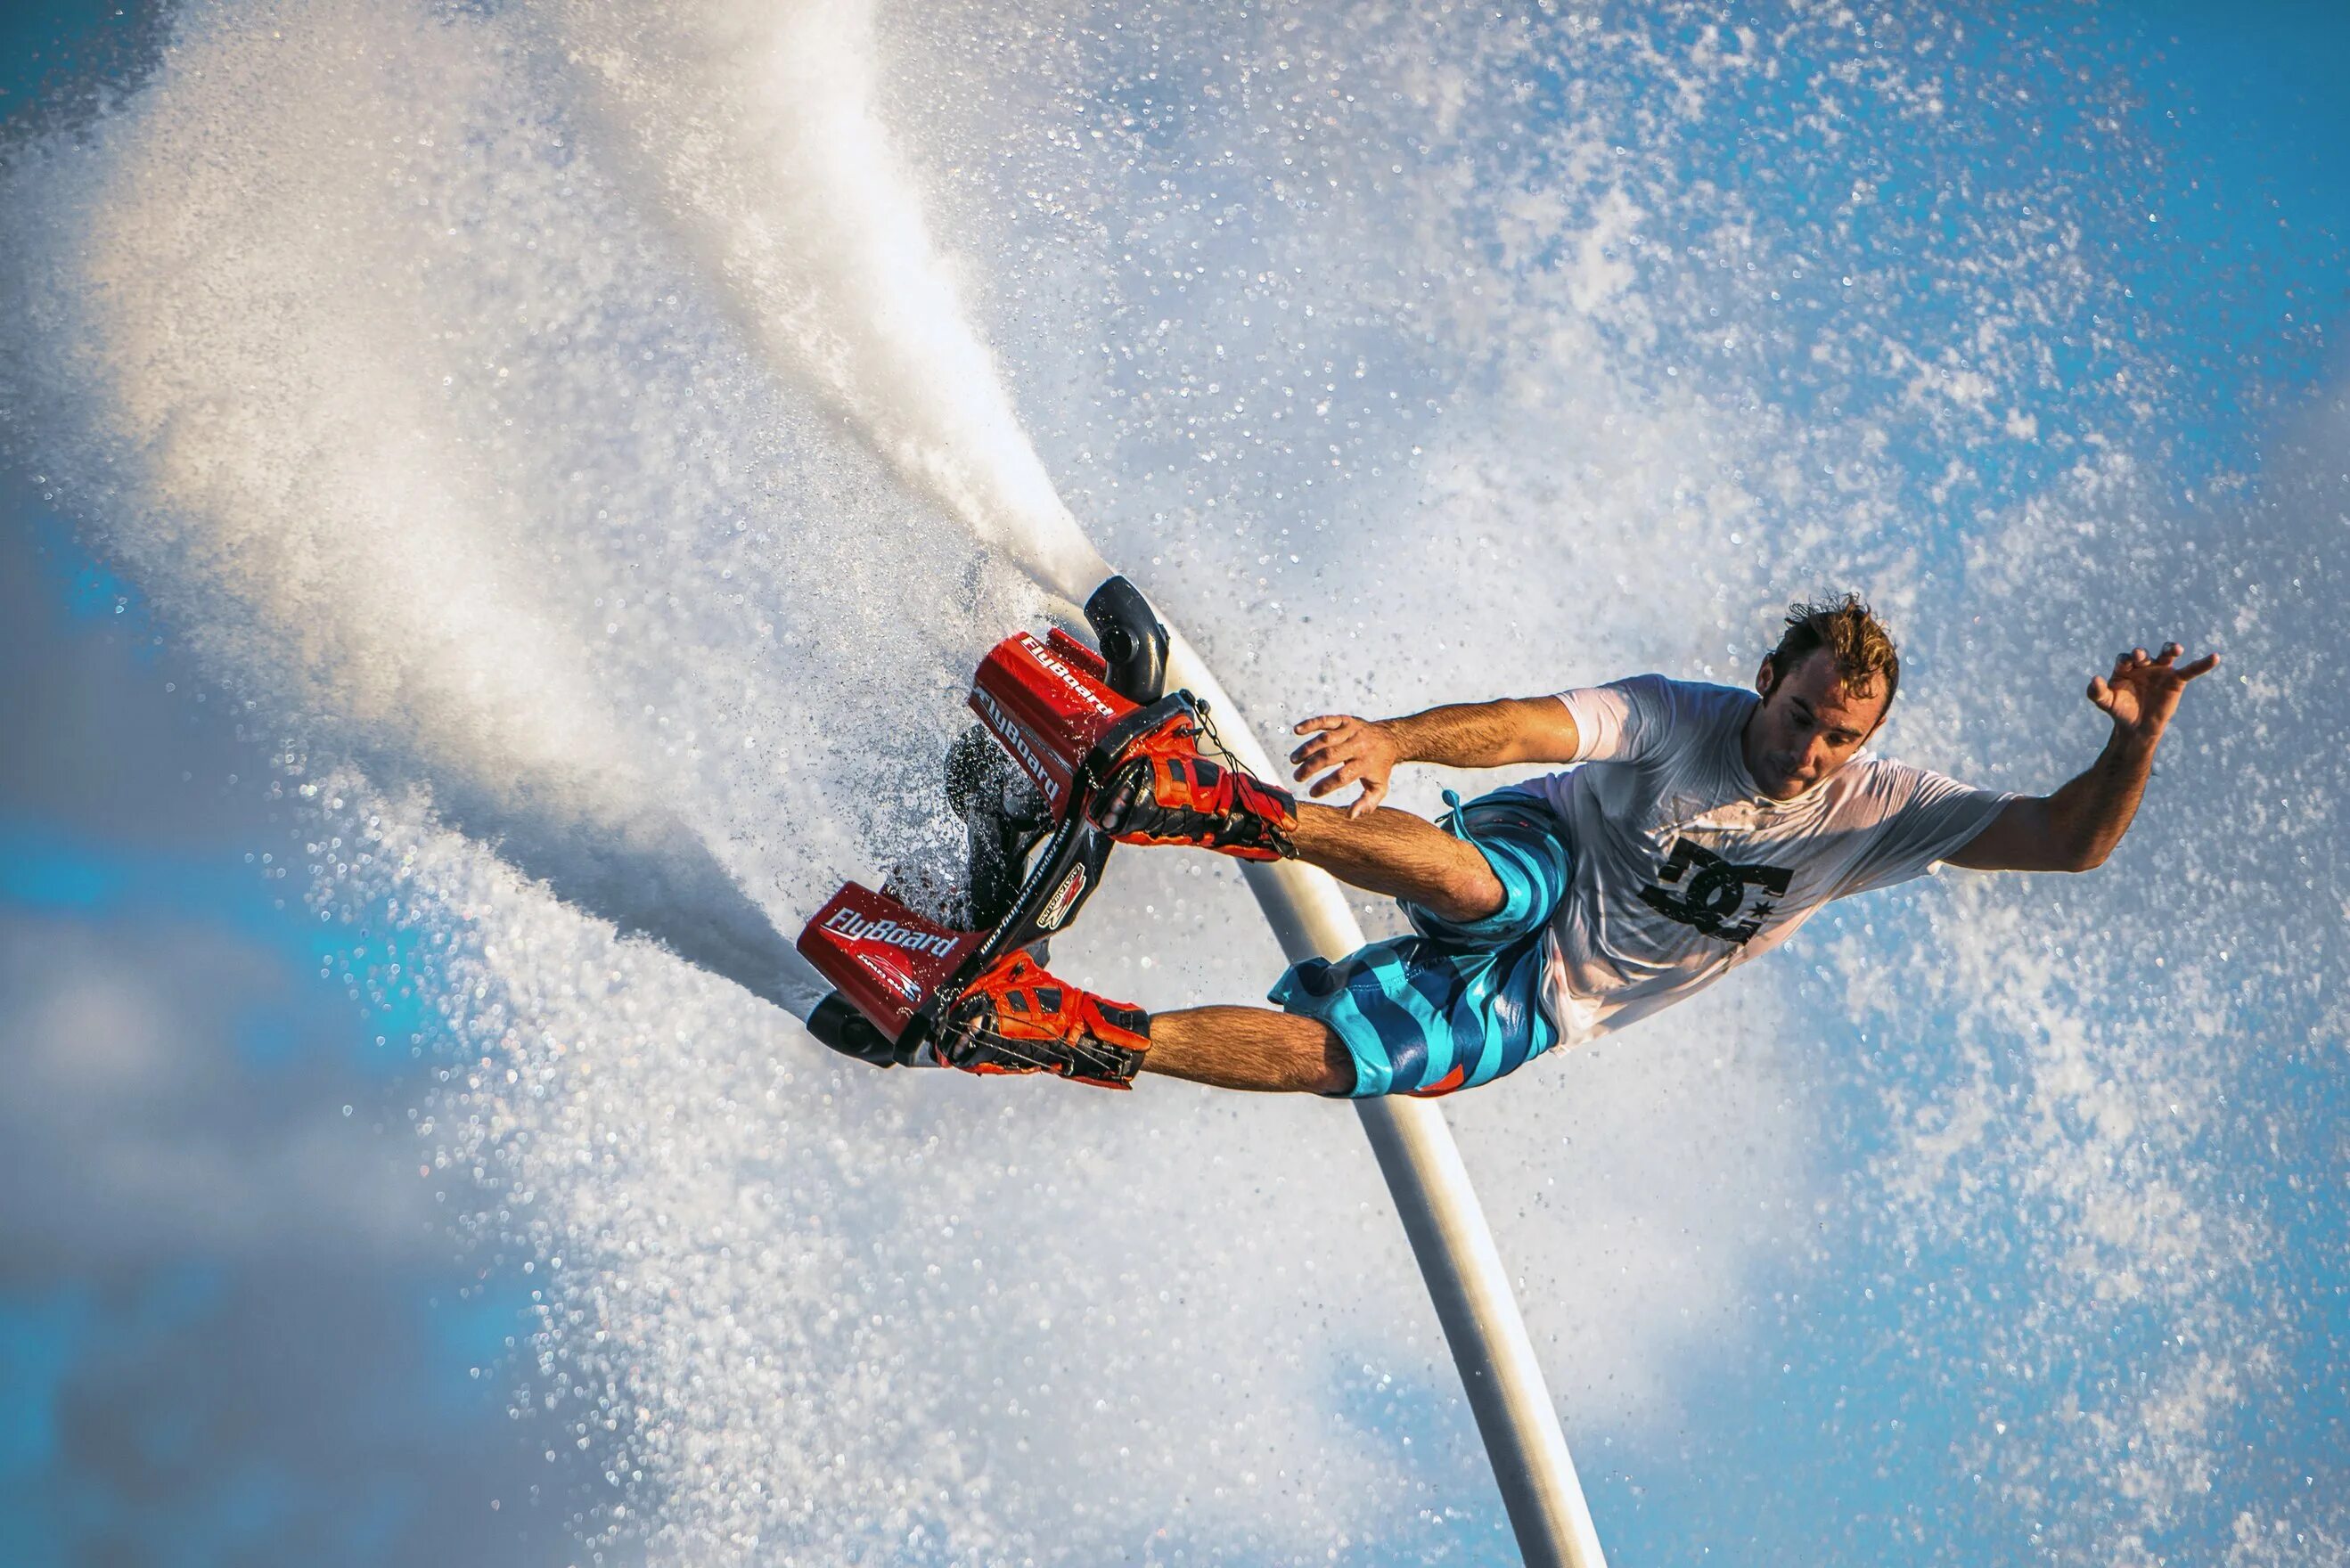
(1684, 869)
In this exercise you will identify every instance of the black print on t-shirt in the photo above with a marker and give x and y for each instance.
(1716, 895)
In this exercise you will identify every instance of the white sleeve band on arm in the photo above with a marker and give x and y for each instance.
(1599, 713)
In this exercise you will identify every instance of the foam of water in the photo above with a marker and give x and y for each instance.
(566, 426)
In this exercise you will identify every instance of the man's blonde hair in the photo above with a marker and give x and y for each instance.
(1854, 637)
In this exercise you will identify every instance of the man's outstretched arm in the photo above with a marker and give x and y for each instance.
(2077, 827)
(1461, 735)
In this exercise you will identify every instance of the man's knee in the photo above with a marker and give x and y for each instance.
(1334, 1072)
(1477, 894)
(1337, 1065)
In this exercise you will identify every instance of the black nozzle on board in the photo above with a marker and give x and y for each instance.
(847, 1030)
(1131, 639)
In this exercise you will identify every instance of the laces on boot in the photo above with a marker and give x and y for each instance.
(1162, 790)
(1017, 1018)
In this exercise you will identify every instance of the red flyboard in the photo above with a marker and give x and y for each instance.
(1055, 712)
(884, 958)
(1046, 703)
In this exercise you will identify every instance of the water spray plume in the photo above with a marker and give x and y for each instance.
(752, 127)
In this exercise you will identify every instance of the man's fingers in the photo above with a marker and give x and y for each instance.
(2099, 693)
(1341, 744)
(1373, 792)
(1325, 755)
(1345, 773)
(2203, 665)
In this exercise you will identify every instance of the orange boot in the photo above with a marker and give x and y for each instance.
(1016, 1018)
(1163, 790)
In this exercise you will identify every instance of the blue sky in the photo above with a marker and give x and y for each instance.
(307, 1385)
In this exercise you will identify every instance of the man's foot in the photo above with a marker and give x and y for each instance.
(1163, 790)
(1016, 1018)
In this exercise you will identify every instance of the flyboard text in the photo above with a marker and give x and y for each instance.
(1008, 730)
(1084, 689)
(849, 923)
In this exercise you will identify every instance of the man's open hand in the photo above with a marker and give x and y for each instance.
(1354, 751)
(2142, 694)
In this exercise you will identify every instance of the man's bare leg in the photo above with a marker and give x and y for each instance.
(1390, 852)
(1402, 856)
(1248, 1048)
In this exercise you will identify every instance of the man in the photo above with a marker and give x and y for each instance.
(1700, 827)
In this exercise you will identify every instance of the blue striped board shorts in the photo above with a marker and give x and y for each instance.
(1455, 1005)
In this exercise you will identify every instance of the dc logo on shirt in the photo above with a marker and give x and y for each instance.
(1716, 894)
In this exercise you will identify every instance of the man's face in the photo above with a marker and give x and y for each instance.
(1808, 725)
